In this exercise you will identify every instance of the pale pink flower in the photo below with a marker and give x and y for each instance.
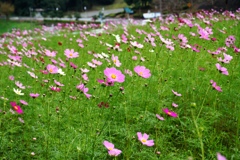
(214, 85)
(144, 139)
(174, 104)
(52, 69)
(34, 95)
(11, 78)
(136, 44)
(58, 83)
(159, 117)
(127, 71)
(142, 71)
(85, 77)
(32, 74)
(176, 93)
(23, 102)
(111, 150)
(20, 85)
(70, 53)
(84, 70)
(116, 61)
(221, 69)
(50, 54)
(91, 65)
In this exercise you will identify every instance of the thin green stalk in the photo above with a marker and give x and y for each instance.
(199, 136)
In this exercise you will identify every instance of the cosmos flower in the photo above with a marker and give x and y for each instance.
(58, 83)
(34, 95)
(114, 75)
(18, 92)
(170, 113)
(111, 150)
(50, 54)
(144, 139)
(176, 93)
(60, 71)
(221, 69)
(220, 157)
(214, 85)
(20, 85)
(32, 74)
(23, 102)
(142, 71)
(159, 117)
(52, 69)
(70, 53)
(116, 61)
(84, 89)
(11, 78)
(174, 104)
(16, 107)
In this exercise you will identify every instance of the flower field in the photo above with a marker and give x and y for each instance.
(167, 90)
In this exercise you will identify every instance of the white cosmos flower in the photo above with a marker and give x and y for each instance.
(105, 55)
(60, 71)
(18, 92)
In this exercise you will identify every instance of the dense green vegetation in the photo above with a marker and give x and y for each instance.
(80, 102)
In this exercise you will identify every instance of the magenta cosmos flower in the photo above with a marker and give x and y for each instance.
(70, 53)
(111, 150)
(221, 69)
(52, 69)
(170, 113)
(142, 71)
(144, 139)
(16, 107)
(114, 75)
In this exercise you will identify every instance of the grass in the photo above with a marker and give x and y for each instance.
(7, 26)
(59, 127)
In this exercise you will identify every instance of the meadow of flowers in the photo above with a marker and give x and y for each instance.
(165, 90)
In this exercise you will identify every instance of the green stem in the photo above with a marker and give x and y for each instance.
(199, 135)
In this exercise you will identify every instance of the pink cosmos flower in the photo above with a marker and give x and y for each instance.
(73, 65)
(170, 113)
(16, 107)
(177, 94)
(91, 65)
(96, 62)
(34, 95)
(144, 139)
(220, 157)
(174, 104)
(20, 85)
(85, 77)
(127, 71)
(227, 58)
(108, 82)
(23, 102)
(159, 117)
(56, 89)
(221, 69)
(70, 53)
(84, 70)
(114, 75)
(52, 69)
(111, 150)
(214, 85)
(58, 83)
(11, 78)
(50, 54)
(142, 71)
(136, 44)
(116, 61)
(84, 89)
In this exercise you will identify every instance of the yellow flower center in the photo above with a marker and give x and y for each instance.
(169, 113)
(144, 140)
(141, 73)
(71, 54)
(113, 76)
(110, 148)
(51, 70)
(114, 61)
(15, 107)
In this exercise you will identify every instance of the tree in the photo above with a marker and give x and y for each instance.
(6, 9)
